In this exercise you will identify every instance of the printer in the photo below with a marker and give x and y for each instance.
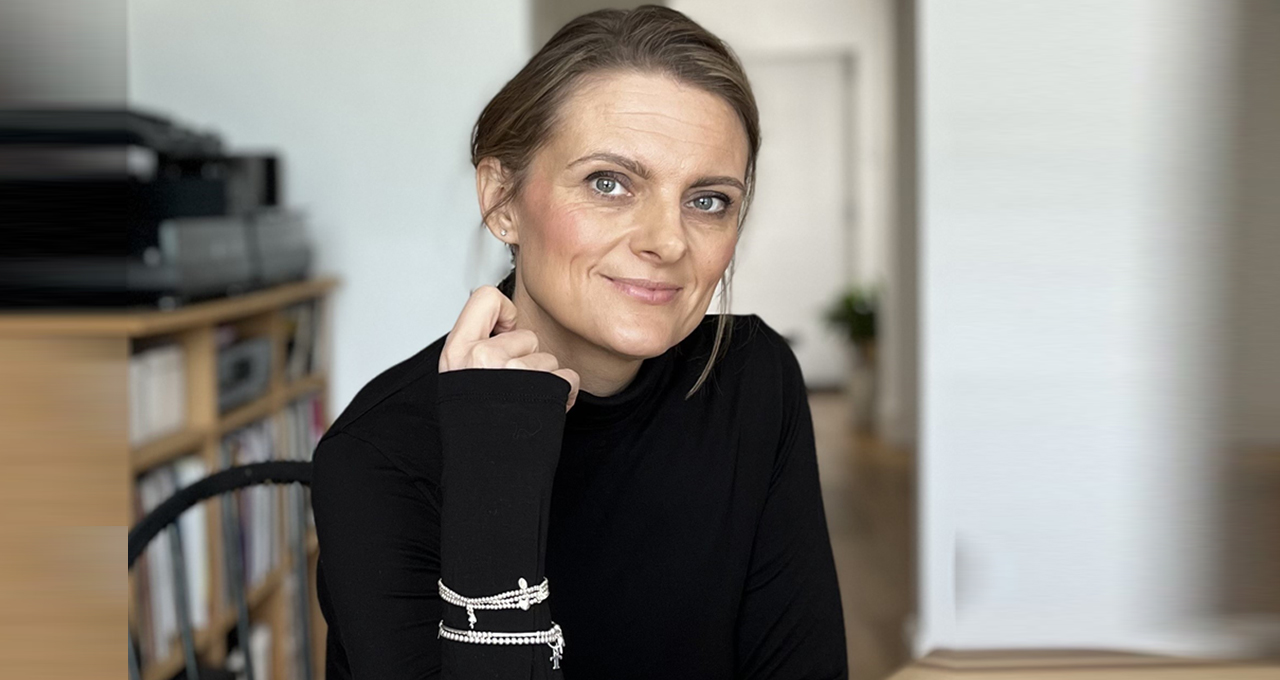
(124, 208)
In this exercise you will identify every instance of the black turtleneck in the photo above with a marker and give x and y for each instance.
(681, 538)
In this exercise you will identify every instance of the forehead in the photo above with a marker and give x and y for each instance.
(651, 118)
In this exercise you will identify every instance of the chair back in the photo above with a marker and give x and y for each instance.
(225, 484)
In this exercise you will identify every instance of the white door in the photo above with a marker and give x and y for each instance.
(793, 257)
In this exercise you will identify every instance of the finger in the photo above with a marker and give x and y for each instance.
(506, 314)
(512, 345)
(572, 376)
(486, 310)
(538, 361)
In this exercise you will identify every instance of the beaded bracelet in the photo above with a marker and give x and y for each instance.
(521, 598)
(553, 637)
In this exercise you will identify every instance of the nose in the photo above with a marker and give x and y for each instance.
(660, 235)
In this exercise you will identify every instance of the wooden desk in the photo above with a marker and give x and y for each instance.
(1078, 665)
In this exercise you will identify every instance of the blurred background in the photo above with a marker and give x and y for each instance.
(1027, 252)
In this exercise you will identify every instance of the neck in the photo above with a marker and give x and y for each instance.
(600, 371)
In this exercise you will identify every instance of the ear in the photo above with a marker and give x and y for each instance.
(493, 183)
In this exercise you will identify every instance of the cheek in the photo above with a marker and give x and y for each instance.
(561, 234)
(714, 257)
(568, 232)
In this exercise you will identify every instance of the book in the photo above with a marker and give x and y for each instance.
(301, 326)
(157, 392)
(257, 507)
(158, 622)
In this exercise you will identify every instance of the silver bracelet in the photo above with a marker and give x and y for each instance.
(521, 598)
(553, 637)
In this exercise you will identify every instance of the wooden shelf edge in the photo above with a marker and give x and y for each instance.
(165, 449)
(169, 447)
(155, 322)
(270, 403)
(242, 415)
(270, 583)
(303, 386)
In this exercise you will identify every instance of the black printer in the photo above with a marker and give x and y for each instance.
(110, 208)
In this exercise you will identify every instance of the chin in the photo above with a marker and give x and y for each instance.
(638, 340)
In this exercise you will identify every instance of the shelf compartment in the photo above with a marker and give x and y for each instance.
(166, 449)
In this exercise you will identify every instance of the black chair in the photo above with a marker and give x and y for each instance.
(164, 518)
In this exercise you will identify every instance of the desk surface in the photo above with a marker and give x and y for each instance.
(1079, 665)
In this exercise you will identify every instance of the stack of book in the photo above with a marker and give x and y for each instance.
(258, 507)
(260, 647)
(157, 588)
(301, 426)
(157, 392)
(291, 434)
(303, 353)
(301, 423)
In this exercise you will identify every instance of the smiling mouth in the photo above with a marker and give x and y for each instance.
(648, 292)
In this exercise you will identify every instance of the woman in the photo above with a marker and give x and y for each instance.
(634, 492)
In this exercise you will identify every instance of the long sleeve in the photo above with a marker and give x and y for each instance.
(379, 560)
(386, 536)
(790, 623)
(500, 432)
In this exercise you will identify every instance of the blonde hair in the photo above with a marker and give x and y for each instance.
(647, 39)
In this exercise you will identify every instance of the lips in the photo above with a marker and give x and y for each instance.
(646, 290)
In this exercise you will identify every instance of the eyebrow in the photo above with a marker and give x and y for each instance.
(639, 169)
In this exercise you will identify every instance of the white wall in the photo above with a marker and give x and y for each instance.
(1071, 235)
(371, 106)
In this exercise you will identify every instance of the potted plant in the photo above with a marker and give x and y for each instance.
(853, 314)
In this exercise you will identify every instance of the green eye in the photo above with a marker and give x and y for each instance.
(606, 185)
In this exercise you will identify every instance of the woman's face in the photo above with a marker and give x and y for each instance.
(641, 180)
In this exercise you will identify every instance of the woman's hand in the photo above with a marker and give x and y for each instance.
(490, 313)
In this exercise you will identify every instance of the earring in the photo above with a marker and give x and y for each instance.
(504, 232)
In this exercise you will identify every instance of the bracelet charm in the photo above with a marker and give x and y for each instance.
(521, 598)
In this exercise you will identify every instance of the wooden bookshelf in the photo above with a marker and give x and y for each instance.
(69, 425)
